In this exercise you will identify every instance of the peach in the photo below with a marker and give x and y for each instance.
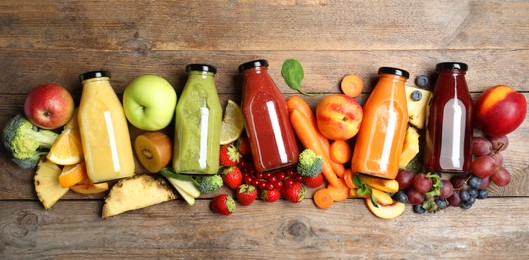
(387, 208)
(499, 110)
(386, 185)
(339, 116)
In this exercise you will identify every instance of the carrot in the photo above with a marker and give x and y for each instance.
(352, 85)
(323, 198)
(296, 102)
(308, 137)
(348, 179)
(340, 151)
(339, 192)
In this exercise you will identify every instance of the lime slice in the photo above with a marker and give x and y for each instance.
(232, 123)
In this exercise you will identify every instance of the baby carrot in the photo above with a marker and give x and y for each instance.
(323, 198)
(348, 179)
(308, 137)
(296, 102)
(339, 192)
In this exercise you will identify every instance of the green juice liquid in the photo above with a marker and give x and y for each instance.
(197, 128)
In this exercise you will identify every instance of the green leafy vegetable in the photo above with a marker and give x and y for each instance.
(293, 74)
(363, 189)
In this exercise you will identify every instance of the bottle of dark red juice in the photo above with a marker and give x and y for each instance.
(272, 140)
(449, 124)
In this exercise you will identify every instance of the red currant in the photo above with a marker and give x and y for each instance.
(289, 183)
(270, 186)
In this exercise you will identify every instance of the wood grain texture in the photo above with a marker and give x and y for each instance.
(54, 41)
(264, 25)
(346, 230)
(23, 70)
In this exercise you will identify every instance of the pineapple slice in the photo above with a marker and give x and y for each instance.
(417, 105)
(410, 148)
(136, 192)
(47, 185)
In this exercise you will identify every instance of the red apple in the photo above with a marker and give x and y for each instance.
(499, 110)
(49, 106)
(339, 117)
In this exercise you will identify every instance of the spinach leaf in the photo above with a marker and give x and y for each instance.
(293, 74)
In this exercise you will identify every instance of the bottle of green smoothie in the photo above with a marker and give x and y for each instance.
(198, 121)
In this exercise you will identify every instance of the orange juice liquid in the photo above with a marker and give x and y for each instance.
(104, 131)
(382, 133)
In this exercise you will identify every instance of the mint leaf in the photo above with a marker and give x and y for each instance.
(363, 189)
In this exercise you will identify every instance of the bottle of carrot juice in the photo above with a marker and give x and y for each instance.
(381, 135)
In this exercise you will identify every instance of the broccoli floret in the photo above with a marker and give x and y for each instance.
(208, 184)
(25, 140)
(310, 164)
(31, 162)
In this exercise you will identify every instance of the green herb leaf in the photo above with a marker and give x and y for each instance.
(363, 189)
(436, 185)
(293, 74)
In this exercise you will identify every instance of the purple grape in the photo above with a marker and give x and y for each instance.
(446, 190)
(481, 146)
(421, 183)
(499, 143)
(483, 166)
(404, 178)
(501, 177)
(415, 197)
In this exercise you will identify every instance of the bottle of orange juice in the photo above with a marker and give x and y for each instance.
(381, 135)
(104, 131)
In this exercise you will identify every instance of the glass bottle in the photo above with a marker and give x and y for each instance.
(382, 132)
(272, 140)
(104, 130)
(449, 123)
(197, 123)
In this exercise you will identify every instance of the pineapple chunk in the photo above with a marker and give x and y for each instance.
(417, 108)
(136, 192)
(47, 185)
(410, 148)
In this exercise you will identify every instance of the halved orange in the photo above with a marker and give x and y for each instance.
(67, 149)
(72, 174)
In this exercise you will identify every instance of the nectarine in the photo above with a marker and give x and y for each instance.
(339, 116)
(499, 110)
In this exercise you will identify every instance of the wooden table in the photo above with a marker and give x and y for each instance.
(55, 41)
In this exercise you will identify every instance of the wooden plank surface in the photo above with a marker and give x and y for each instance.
(55, 41)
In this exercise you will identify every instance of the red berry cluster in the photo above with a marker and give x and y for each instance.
(241, 176)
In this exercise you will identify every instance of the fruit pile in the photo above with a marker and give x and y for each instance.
(324, 163)
(430, 193)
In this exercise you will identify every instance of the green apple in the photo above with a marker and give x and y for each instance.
(149, 102)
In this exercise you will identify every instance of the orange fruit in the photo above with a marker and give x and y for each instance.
(72, 174)
(67, 149)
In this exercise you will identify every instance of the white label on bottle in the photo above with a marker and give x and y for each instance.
(276, 128)
(112, 140)
(452, 141)
(204, 120)
(388, 139)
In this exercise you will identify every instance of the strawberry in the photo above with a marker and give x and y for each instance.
(244, 145)
(294, 193)
(313, 182)
(229, 155)
(270, 195)
(232, 177)
(223, 204)
(246, 194)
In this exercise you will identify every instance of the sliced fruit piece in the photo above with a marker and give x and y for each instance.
(386, 211)
(154, 150)
(47, 185)
(87, 187)
(67, 149)
(410, 148)
(352, 85)
(183, 182)
(386, 185)
(232, 123)
(72, 174)
(136, 192)
(187, 197)
(417, 101)
(381, 197)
